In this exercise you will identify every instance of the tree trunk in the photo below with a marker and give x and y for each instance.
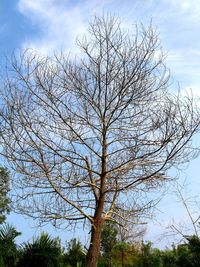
(94, 249)
(95, 241)
(123, 256)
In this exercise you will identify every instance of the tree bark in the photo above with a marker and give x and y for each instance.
(95, 242)
(123, 256)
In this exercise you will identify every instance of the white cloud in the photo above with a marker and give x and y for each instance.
(60, 22)
(189, 7)
(185, 63)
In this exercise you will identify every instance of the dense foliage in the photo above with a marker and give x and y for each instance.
(4, 199)
(8, 249)
(45, 251)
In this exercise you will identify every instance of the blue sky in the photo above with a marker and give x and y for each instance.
(50, 25)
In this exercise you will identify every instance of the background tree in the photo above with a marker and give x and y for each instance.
(4, 189)
(130, 233)
(108, 242)
(119, 241)
(75, 255)
(190, 226)
(89, 138)
(43, 251)
(8, 248)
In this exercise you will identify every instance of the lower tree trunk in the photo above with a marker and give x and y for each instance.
(123, 257)
(94, 249)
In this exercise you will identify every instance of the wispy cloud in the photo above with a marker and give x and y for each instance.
(189, 7)
(60, 22)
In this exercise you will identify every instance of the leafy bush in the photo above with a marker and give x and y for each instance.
(8, 248)
(42, 252)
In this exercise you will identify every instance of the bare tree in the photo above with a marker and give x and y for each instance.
(88, 135)
(189, 226)
(130, 233)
